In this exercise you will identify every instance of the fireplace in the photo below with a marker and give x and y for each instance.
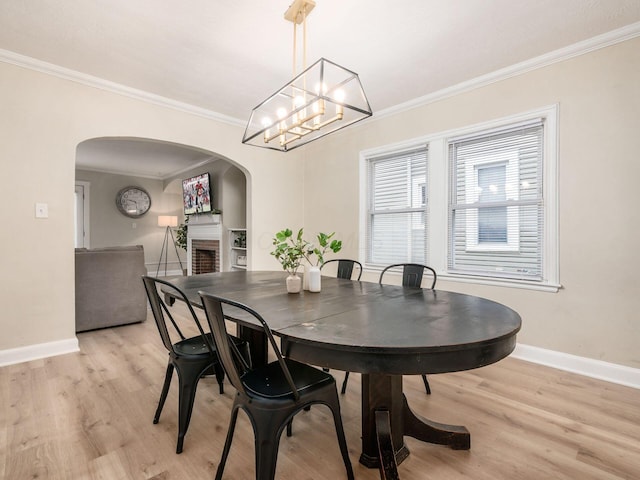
(205, 256)
(204, 242)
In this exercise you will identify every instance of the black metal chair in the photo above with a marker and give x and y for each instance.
(386, 453)
(345, 268)
(412, 274)
(191, 357)
(272, 394)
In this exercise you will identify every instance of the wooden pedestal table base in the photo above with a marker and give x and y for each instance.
(384, 392)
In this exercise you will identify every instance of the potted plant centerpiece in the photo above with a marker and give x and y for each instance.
(290, 251)
(324, 245)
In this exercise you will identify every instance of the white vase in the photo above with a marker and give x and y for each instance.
(294, 283)
(314, 279)
(305, 277)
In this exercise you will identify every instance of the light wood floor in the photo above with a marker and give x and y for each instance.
(89, 416)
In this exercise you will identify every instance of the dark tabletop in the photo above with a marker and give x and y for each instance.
(367, 327)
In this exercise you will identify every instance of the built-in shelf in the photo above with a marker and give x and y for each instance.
(238, 248)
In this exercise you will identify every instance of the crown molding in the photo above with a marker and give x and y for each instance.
(7, 56)
(600, 41)
(130, 173)
(118, 172)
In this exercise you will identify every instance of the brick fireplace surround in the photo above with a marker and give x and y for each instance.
(205, 256)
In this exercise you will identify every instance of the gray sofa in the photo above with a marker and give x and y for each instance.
(109, 289)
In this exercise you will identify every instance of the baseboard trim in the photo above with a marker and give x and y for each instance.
(588, 367)
(36, 352)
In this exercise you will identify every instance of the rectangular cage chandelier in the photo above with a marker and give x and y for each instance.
(323, 98)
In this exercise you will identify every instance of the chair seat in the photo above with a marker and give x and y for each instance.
(269, 381)
(191, 346)
(196, 346)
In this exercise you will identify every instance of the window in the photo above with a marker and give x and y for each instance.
(396, 219)
(481, 207)
(492, 221)
(496, 209)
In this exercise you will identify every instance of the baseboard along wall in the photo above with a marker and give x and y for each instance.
(36, 352)
(609, 372)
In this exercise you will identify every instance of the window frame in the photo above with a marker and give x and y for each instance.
(438, 190)
(417, 186)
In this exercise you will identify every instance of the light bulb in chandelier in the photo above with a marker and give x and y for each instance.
(299, 116)
(266, 123)
(339, 96)
(318, 90)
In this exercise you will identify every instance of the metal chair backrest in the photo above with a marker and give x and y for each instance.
(159, 310)
(345, 268)
(412, 274)
(227, 352)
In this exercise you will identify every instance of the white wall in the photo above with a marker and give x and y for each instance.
(110, 228)
(43, 119)
(595, 315)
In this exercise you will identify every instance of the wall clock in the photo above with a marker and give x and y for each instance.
(133, 202)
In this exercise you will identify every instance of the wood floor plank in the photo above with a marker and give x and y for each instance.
(88, 415)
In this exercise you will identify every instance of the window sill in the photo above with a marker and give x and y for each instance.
(501, 282)
(495, 282)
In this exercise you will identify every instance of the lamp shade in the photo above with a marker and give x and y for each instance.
(322, 99)
(167, 221)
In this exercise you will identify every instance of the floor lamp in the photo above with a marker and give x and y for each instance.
(167, 221)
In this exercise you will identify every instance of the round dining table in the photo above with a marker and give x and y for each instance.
(380, 331)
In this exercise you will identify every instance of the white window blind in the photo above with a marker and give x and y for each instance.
(496, 202)
(397, 207)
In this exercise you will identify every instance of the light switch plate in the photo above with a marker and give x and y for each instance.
(42, 210)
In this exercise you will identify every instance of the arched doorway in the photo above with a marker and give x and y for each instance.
(106, 165)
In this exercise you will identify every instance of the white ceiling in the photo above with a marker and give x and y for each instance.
(226, 56)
